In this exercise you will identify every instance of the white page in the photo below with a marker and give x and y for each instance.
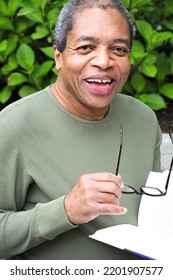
(132, 238)
(155, 221)
(156, 213)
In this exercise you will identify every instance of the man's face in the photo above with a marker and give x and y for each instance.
(95, 64)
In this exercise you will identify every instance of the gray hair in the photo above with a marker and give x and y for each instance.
(66, 18)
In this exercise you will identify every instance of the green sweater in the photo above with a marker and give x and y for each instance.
(44, 150)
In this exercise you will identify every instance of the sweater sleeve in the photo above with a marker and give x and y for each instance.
(21, 230)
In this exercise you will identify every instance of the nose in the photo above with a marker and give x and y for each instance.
(101, 59)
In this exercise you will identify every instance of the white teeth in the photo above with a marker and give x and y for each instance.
(99, 81)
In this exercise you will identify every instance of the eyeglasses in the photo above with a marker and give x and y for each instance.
(151, 191)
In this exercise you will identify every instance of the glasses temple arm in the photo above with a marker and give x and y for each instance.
(118, 162)
(120, 149)
(169, 174)
(171, 137)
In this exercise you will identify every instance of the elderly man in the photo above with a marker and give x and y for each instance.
(59, 146)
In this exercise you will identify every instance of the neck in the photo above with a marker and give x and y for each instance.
(76, 108)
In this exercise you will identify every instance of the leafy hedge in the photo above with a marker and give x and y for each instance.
(152, 57)
(26, 54)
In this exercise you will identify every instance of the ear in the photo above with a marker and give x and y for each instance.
(57, 57)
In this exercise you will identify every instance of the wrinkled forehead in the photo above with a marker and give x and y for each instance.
(82, 13)
(96, 22)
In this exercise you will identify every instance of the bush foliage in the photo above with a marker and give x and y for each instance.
(26, 54)
(151, 79)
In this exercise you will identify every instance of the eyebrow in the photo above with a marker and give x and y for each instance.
(87, 38)
(95, 39)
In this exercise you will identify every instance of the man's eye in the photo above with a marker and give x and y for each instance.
(85, 49)
(120, 51)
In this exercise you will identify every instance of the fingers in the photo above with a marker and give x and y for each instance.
(108, 177)
(111, 209)
(93, 195)
(108, 187)
(107, 198)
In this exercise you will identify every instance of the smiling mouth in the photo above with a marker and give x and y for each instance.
(99, 82)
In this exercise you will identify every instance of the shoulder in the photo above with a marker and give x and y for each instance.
(132, 107)
(23, 103)
(26, 116)
(136, 116)
(24, 109)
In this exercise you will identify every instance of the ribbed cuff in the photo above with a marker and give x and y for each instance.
(52, 219)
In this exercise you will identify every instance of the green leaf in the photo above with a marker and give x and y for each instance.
(48, 51)
(3, 45)
(3, 8)
(139, 3)
(16, 79)
(31, 11)
(149, 70)
(5, 23)
(41, 4)
(26, 9)
(145, 29)
(171, 41)
(26, 90)
(54, 70)
(167, 90)
(26, 57)
(169, 24)
(41, 32)
(22, 25)
(2, 59)
(45, 68)
(126, 3)
(137, 53)
(13, 7)
(153, 100)
(5, 94)
(52, 17)
(138, 48)
(138, 82)
(163, 66)
(158, 38)
(168, 7)
(11, 44)
(10, 66)
(150, 59)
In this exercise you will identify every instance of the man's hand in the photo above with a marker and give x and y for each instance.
(93, 195)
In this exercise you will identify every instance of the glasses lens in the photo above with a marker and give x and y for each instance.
(151, 191)
(128, 189)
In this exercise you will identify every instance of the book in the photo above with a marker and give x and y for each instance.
(153, 237)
